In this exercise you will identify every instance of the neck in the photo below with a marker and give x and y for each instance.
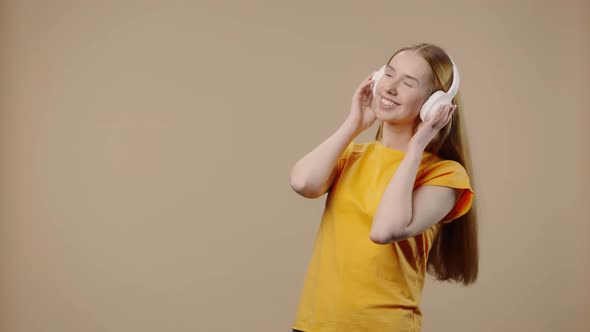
(397, 136)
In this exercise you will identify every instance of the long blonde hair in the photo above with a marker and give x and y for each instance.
(454, 255)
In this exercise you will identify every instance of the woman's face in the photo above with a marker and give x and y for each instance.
(403, 89)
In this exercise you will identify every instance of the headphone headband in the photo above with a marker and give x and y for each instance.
(455, 84)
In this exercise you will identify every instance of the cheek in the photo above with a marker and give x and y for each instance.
(414, 99)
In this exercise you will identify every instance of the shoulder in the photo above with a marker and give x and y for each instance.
(435, 170)
(355, 148)
(433, 163)
(355, 154)
(439, 172)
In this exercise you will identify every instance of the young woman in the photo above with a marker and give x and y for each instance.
(397, 206)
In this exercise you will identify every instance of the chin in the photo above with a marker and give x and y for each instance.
(394, 117)
(387, 115)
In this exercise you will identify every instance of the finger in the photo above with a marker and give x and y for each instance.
(366, 91)
(441, 112)
(449, 111)
(367, 82)
(364, 86)
(449, 115)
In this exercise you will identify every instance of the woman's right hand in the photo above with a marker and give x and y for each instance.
(361, 115)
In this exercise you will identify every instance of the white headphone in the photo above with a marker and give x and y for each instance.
(436, 99)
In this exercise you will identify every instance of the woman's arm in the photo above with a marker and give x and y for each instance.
(404, 212)
(313, 174)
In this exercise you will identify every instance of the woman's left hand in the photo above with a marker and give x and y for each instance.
(433, 123)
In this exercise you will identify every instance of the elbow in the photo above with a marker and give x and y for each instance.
(302, 188)
(387, 236)
(379, 238)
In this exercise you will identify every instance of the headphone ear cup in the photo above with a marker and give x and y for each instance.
(376, 78)
(433, 102)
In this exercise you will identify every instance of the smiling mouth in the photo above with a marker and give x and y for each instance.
(388, 103)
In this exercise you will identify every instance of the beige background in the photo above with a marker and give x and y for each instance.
(145, 150)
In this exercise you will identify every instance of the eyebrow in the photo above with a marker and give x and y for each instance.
(406, 75)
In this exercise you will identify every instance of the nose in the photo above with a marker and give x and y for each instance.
(391, 87)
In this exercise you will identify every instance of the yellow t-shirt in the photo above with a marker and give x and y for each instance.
(352, 283)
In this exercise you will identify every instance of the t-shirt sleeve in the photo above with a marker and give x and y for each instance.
(451, 174)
